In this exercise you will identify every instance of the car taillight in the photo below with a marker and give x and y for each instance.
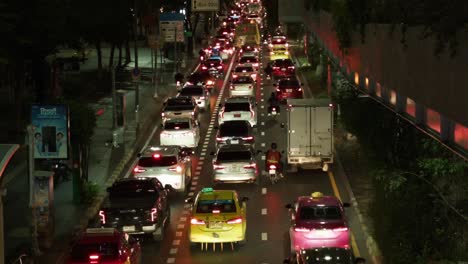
(177, 169)
(275, 68)
(301, 229)
(202, 97)
(204, 67)
(218, 167)
(278, 90)
(219, 139)
(272, 167)
(163, 114)
(210, 82)
(255, 64)
(340, 229)
(195, 221)
(178, 83)
(234, 76)
(291, 67)
(220, 67)
(93, 258)
(153, 213)
(272, 53)
(237, 220)
(193, 113)
(102, 215)
(287, 45)
(138, 170)
(248, 138)
(250, 166)
(300, 89)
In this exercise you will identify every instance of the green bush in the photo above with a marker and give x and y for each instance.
(90, 192)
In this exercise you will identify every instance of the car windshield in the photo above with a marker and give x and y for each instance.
(132, 189)
(243, 69)
(234, 107)
(162, 161)
(233, 130)
(213, 61)
(179, 101)
(242, 79)
(227, 156)
(319, 212)
(288, 83)
(174, 125)
(192, 91)
(248, 59)
(208, 206)
(107, 251)
(283, 63)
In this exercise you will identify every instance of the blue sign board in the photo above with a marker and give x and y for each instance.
(50, 131)
(171, 17)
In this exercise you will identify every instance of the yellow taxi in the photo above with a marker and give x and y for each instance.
(217, 216)
(279, 52)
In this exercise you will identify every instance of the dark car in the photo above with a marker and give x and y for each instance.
(105, 245)
(203, 78)
(213, 65)
(137, 206)
(324, 256)
(288, 88)
(248, 48)
(283, 68)
(235, 132)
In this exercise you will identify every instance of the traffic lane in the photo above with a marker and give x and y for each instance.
(169, 247)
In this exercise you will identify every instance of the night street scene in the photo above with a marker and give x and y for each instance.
(234, 131)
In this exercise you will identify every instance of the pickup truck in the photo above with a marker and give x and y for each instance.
(179, 107)
(137, 206)
(310, 133)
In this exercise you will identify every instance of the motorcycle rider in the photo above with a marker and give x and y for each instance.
(179, 78)
(202, 54)
(273, 157)
(268, 70)
(273, 103)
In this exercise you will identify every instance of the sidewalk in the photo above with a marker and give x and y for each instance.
(106, 165)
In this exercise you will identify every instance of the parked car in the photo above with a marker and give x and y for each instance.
(137, 206)
(171, 165)
(182, 132)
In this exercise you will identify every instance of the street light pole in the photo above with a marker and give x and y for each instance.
(137, 88)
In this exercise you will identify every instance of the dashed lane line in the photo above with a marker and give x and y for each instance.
(264, 190)
(264, 211)
(173, 251)
(264, 236)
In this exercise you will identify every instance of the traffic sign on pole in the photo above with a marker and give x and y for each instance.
(205, 5)
(136, 74)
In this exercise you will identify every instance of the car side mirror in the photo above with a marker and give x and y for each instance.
(244, 199)
(289, 206)
(359, 261)
(346, 204)
(189, 200)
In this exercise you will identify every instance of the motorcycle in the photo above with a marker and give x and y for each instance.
(61, 172)
(273, 175)
(273, 111)
(178, 85)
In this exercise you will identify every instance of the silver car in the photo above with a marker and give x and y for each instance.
(244, 71)
(197, 92)
(169, 164)
(180, 132)
(235, 163)
(179, 107)
(238, 108)
(242, 86)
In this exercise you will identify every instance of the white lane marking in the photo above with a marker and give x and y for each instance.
(264, 236)
(194, 183)
(190, 194)
(263, 144)
(262, 106)
(176, 242)
(202, 158)
(199, 167)
(263, 133)
(264, 211)
(180, 226)
(262, 100)
(264, 190)
(183, 219)
(205, 144)
(263, 123)
(196, 177)
(178, 234)
(203, 153)
(261, 94)
(173, 251)
(263, 157)
(261, 88)
(192, 188)
(171, 260)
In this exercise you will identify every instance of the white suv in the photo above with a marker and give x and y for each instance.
(238, 108)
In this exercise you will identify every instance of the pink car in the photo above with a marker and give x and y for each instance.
(318, 221)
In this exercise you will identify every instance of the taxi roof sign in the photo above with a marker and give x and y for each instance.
(207, 190)
(316, 195)
(100, 230)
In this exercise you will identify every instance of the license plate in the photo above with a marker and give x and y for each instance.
(237, 115)
(235, 169)
(283, 69)
(289, 90)
(129, 228)
(234, 141)
(272, 171)
(217, 225)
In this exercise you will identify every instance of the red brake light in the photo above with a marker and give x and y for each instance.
(272, 167)
(163, 114)
(340, 229)
(301, 229)
(216, 211)
(93, 258)
(138, 170)
(153, 214)
(103, 217)
(248, 138)
(204, 67)
(250, 166)
(235, 221)
(218, 167)
(156, 156)
(177, 169)
(234, 76)
(219, 139)
(220, 67)
(195, 221)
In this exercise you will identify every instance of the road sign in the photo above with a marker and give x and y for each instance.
(205, 5)
(136, 74)
(171, 26)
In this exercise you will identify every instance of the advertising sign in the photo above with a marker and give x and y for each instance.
(50, 131)
(205, 5)
(171, 26)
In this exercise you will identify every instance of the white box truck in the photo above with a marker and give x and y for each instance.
(310, 133)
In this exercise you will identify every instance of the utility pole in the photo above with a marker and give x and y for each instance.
(137, 88)
(175, 50)
(114, 99)
(34, 234)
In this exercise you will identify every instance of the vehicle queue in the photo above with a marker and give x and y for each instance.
(319, 229)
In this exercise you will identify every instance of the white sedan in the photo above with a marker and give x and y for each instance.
(242, 86)
(180, 132)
